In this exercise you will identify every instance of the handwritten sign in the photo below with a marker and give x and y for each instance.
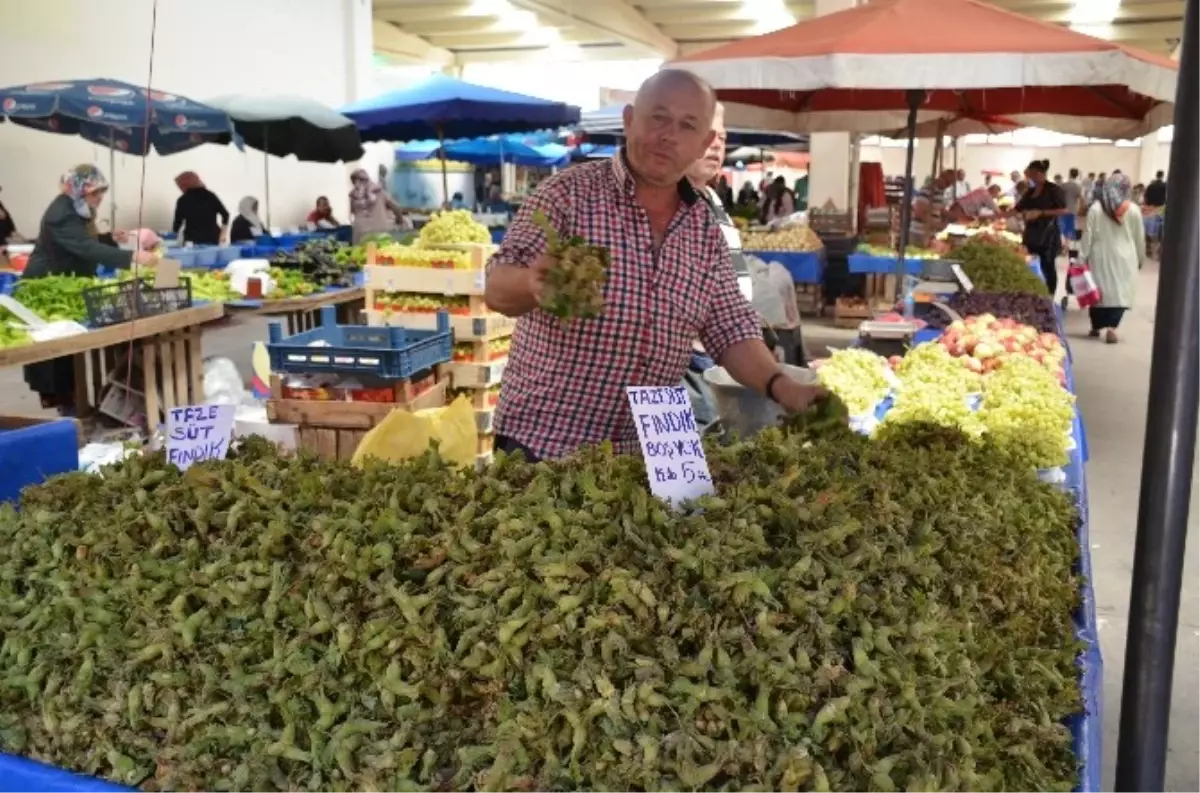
(666, 428)
(198, 432)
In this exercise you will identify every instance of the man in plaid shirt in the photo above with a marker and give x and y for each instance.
(671, 281)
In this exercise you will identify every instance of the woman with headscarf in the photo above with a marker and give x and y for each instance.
(780, 203)
(371, 205)
(67, 245)
(1042, 203)
(197, 210)
(246, 226)
(1114, 247)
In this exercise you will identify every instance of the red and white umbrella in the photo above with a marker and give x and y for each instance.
(853, 71)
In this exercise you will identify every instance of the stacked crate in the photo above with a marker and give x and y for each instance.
(478, 371)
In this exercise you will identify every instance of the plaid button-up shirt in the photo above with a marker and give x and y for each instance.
(564, 386)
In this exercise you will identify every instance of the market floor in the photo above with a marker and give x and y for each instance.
(1112, 384)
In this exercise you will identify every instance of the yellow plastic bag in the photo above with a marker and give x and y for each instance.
(404, 435)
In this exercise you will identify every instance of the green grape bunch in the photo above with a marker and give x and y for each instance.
(454, 227)
(574, 284)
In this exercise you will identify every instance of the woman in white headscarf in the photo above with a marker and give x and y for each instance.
(246, 226)
(1114, 247)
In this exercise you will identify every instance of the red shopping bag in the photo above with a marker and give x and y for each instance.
(1083, 285)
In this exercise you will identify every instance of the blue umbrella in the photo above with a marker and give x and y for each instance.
(115, 114)
(508, 149)
(445, 108)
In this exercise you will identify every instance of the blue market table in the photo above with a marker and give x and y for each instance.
(806, 267)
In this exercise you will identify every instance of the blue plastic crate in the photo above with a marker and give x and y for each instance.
(392, 353)
(30, 453)
(8, 281)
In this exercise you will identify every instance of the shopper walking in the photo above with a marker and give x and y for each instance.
(1042, 205)
(1114, 247)
(197, 211)
(1072, 194)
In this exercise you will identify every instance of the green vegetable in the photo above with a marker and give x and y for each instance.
(994, 267)
(55, 297)
(845, 614)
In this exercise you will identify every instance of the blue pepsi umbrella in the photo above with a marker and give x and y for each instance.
(444, 108)
(115, 114)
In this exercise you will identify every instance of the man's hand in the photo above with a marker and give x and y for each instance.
(515, 291)
(796, 397)
(1033, 214)
(144, 258)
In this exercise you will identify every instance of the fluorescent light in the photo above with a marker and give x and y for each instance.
(1089, 13)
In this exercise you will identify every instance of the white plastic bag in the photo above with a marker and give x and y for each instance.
(774, 293)
(223, 384)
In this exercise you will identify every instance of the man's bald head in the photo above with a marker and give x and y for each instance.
(669, 125)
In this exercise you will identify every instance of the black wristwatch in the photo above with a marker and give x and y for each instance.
(770, 389)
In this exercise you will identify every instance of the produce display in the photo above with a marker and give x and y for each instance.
(324, 261)
(994, 233)
(986, 343)
(573, 286)
(211, 286)
(798, 238)
(1034, 310)
(289, 283)
(416, 303)
(491, 395)
(934, 387)
(911, 252)
(55, 297)
(12, 333)
(454, 227)
(845, 614)
(496, 349)
(1026, 410)
(412, 256)
(858, 377)
(998, 268)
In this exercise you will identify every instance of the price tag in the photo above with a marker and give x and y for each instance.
(198, 432)
(666, 428)
(963, 279)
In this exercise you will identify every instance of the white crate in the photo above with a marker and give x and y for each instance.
(423, 280)
(476, 375)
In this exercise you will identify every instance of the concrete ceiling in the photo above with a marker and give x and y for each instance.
(451, 33)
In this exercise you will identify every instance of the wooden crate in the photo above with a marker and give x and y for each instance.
(333, 430)
(486, 443)
(425, 281)
(881, 292)
(484, 420)
(478, 252)
(481, 352)
(473, 375)
(480, 398)
(847, 314)
(810, 300)
(481, 327)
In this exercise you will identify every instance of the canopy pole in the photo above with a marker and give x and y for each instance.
(914, 104)
(442, 157)
(1168, 456)
(267, 176)
(954, 196)
(112, 182)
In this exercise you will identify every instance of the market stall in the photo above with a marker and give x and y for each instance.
(166, 347)
(786, 631)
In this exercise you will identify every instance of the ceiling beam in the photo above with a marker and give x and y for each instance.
(615, 18)
(611, 52)
(400, 12)
(1125, 13)
(1132, 31)
(713, 30)
(390, 41)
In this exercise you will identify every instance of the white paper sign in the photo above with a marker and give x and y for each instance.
(963, 279)
(198, 432)
(666, 428)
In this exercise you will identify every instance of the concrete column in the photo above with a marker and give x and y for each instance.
(357, 33)
(829, 172)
